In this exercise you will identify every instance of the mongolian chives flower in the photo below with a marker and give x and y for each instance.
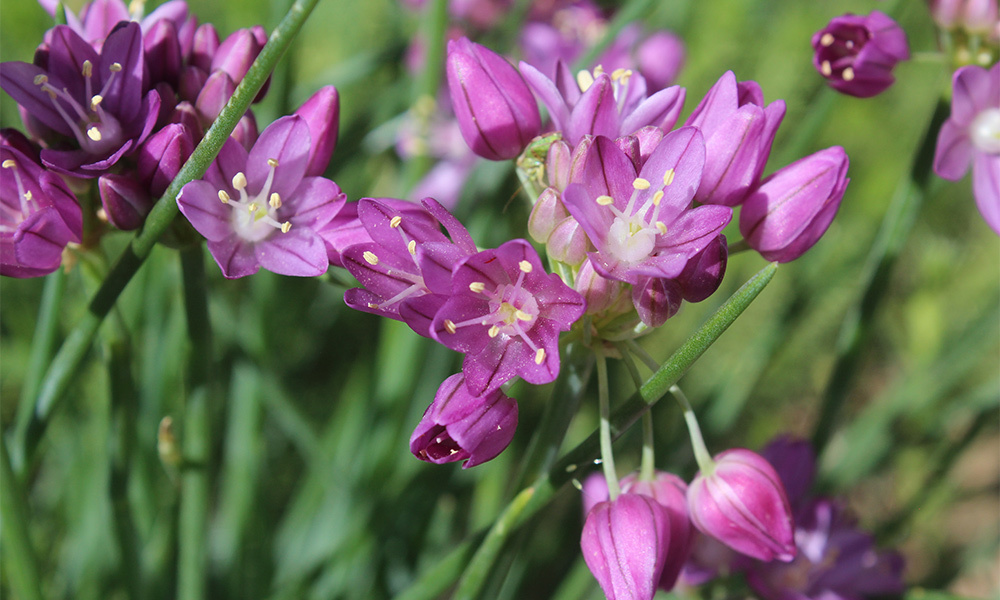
(856, 54)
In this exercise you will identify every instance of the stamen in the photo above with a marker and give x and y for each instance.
(272, 162)
(525, 266)
(395, 221)
(668, 176)
(285, 227)
(253, 207)
(449, 325)
(224, 196)
(640, 184)
(826, 40)
(412, 247)
(94, 134)
(848, 74)
(27, 195)
(115, 67)
(584, 79)
(96, 101)
(825, 68)
(540, 356)
(494, 331)
(661, 227)
(239, 181)
(41, 79)
(605, 200)
(275, 200)
(520, 314)
(9, 164)
(373, 306)
(617, 74)
(477, 287)
(598, 70)
(88, 68)
(370, 257)
(657, 197)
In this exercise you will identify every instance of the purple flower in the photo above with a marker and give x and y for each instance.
(979, 16)
(856, 54)
(644, 226)
(38, 216)
(505, 313)
(670, 492)
(258, 209)
(793, 207)
(703, 273)
(739, 131)
(322, 113)
(598, 103)
(460, 426)
(494, 107)
(625, 543)
(972, 135)
(406, 266)
(835, 561)
(742, 503)
(795, 463)
(94, 100)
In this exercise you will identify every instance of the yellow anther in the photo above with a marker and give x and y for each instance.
(605, 200)
(9, 164)
(239, 181)
(661, 227)
(520, 314)
(115, 67)
(494, 331)
(95, 101)
(94, 134)
(275, 200)
(598, 70)
(224, 196)
(449, 326)
(285, 227)
(848, 74)
(412, 247)
(825, 68)
(525, 266)
(254, 207)
(395, 221)
(370, 257)
(272, 162)
(540, 356)
(373, 306)
(41, 79)
(826, 40)
(668, 176)
(618, 73)
(88, 68)
(477, 286)
(27, 195)
(657, 197)
(585, 79)
(640, 184)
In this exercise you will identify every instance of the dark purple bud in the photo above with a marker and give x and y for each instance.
(459, 426)
(185, 114)
(656, 299)
(856, 54)
(126, 202)
(496, 111)
(322, 113)
(163, 52)
(214, 95)
(670, 492)
(704, 271)
(793, 207)
(204, 47)
(742, 503)
(190, 83)
(162, 156)
(246, 131)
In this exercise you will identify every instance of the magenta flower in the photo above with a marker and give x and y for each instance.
(461, 426)
(742, 503)
(856, 54)
(322, 114)
(625, 543)
(972, 135)
(793, 207)
(505, 313)
(38, 216)
(95, 101)
(608, 104)
(739, 131)
(258, 209)
(494, 107)
(642, 224)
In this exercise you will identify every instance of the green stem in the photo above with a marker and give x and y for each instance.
(604, 407)
(701, 453)
(196, 445)
(648, 461)
(63, 368)
(19, 562)
(858, 325)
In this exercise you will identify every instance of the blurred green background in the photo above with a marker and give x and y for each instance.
(314, 493)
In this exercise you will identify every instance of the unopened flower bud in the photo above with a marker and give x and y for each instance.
(569, 242)
(545, 215)
(856, 54)
(322, 113)
(660, 57)
(603, 295)
(656, 299)
(126, 202)
(496, 111)
(793, 207)
(459, 426)
(670, 492)
(704, 271)
(162, 156)
(742, 503)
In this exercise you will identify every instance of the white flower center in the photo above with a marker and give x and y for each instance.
(254, 218)
(985, 131)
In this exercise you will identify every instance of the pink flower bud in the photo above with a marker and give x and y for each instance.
(322, 113)
(793, 207)
(569, 242)
(670, 492)
(660, 58)
(603, 295)
(496, 112)
(656, 299)
(856, 54)
(704, 271)
(126, 202)
(742, 503)
(545, 215)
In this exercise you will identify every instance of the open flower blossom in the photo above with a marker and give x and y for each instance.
(642, 224)
(94, 101)
(258, 209)
(856, 54)
(38, 216)
(599, 103)
(505, 313)
(972, 135)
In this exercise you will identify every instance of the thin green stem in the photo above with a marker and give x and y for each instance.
(701, 453)
(858, 324)
(648, 460)
(19, 560)
(604, 407)
(641, 354)
(64, 367)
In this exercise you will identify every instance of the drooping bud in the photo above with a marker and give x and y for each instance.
(856, 54)
(704, 271)
(126, 202)
(670, 492)
(322, 113)
(496, 111)
(793, 207)
(459, 426)
(742, 503)
(656, 299)
(625, 543)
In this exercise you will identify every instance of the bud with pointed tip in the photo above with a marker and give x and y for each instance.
(322, 113)
(670, 492)
(126, 202)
